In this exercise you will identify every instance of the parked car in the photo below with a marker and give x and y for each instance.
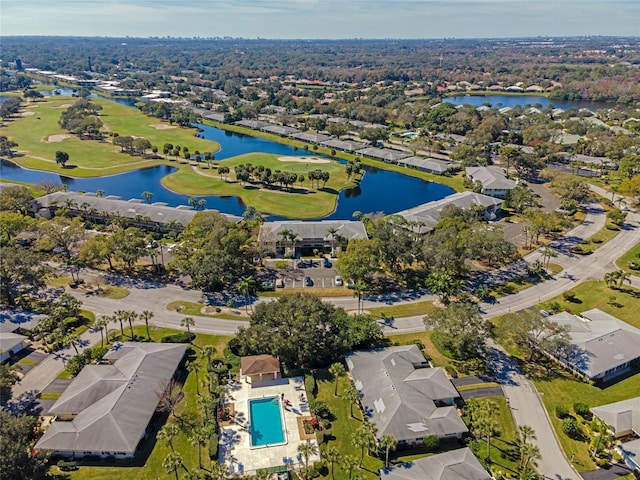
(308, 282)
(546, 313)
(326, 263)
(338, 281)
(301, 264)
(267, 285)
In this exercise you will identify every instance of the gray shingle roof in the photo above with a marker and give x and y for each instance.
(310, 137)
(601, 342)
(431, 164)
(279, 130)
(621, 416)
(345, 145)
(156, 212)
(491, 178)
(254, 124)
(113, 403)
(385, 154)
(459, 464)
(428, 214)
(399, 395)
(349, 229)
(8, 341)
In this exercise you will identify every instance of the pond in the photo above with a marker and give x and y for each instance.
(379, 191)
(500, 101)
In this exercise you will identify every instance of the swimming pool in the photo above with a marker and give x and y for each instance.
(267, 425)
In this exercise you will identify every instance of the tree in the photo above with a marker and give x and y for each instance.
(247, 287)
(332, 231)
(16, 199)
(172, 462)
(307, 450)
(444, 285)
(100, 323)
(188, 322)
(349, 463)
(169, 397)
(531, 330)
(96, 249)
(622, 276)
(21, 274)
(147, 315)
(194, 367)
(148, 196)
(332, 456)
(62, 158)
(207, 352)
(61, 233)
(610, 279)
(360, 261)
(351, 395)
(388, 442)
(167, 433)
(547, 254)
(526, 434)
(602, 435)
(484, 424)
(458, 329)
(18, 460)
(337, 370)
(360, 439)
(130, 316)
(120, 316)
(198, 438)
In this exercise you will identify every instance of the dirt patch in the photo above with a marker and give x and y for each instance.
(58, 138)
(209, 310)
(64, 105)
(162, 126)
(304, 159)
(26, 114)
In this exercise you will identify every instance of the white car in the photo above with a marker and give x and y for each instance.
(338, 281)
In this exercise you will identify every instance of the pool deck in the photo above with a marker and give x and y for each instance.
(235, 450)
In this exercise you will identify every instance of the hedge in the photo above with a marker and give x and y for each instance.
(182, 337)
(213, 446)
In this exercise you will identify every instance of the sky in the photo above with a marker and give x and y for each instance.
(330, 19)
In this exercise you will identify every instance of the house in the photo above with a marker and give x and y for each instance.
(10, 344)
(283, 131)
(624, 419)
(256, 369)
(430, 165)
(344, 145)
(493, 179)
(12, 321)
(158, 215)
(315, 138)
(106, 409)
(308, 236)
(459, 464)
(385, 154)
(423, 218)
(404, 397)
(602, 346)
(253, 124)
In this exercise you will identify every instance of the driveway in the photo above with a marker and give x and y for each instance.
(611, 473)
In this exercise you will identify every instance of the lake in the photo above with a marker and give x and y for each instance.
(379, 191)
(500, 101)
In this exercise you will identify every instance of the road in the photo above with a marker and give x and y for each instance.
(524, 400)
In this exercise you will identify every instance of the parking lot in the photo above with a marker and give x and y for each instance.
(320, 276)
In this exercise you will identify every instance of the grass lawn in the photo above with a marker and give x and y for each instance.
(301, 201)
(91, 158)
(560, 388)
(632, 255)
(595, 294)
(148, 464)
(113, 292)
(404, 310)
(195, 309)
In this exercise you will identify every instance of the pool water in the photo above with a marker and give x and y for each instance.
(265, 416)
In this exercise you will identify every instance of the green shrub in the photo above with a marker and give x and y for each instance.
(320, 409)
(602, 462)
(431, 443)
(67, 466)
(562, 411)
(569, 296)
(453, 373)
(182, 337)
(582, 409)
(571, 428)
(213, 446)
(310, 384)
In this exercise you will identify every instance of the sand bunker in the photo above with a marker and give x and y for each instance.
(64, 105)
(26, 114)
(304, 159)
(58, 138)
(162, 126)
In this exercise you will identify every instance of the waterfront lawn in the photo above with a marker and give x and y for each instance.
(632, 255)
(91, 158)
(148, 463)
(301, 201)
(596, 294)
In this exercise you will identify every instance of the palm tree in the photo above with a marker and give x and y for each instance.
(194, 367)
(360, 439)
(219, 471)
(351, 395)
(247, 287)
(306, 450)
(172, 463)
(610, 279)
(72, 339)
(529, 454)
(167, 433)
(198, 438)
(100, 323)
(147, 196)
(332, 231)
(188, 322)
(388, 442)
(336, 369)
(349, 462)
(601, 430)
(548, 253)
(147, 315)
(331, 456)
(486, 427)
(119, 316)
(371, 429)
(622, 277)
(525, 433)
(208, 351)
(284, 233)
(358, 289)
(131, 316)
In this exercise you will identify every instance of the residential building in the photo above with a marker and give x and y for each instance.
(12, 322)
(602, 346)
(624, 419)
(344, 145)
(493, 179)
(309, 235)
(430, 165)
(403, 396)
(106, 409)
(459, 464)
(256, 369)
(385, 154)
